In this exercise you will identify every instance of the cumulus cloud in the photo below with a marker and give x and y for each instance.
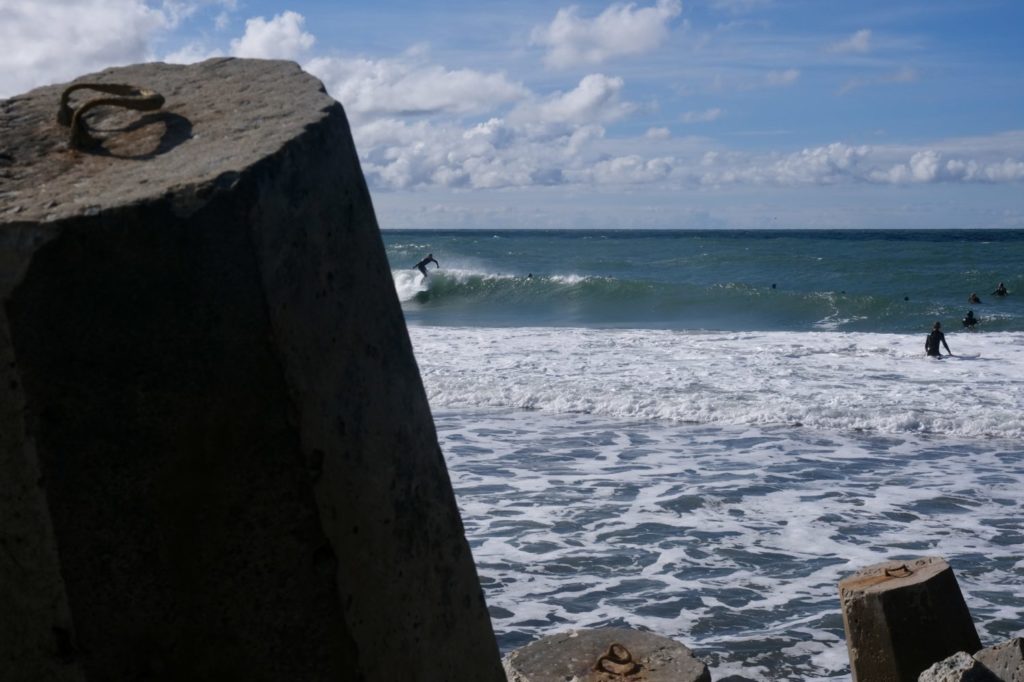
(858, 42)
(705, 116)
(282, 37)
(56, 40)
(399, 87)
(838, 163)
(621, 29)
(929, 166)
(626, 170)
(595, 99)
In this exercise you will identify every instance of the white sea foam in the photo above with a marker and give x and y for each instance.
(879, 383)
(714, 487)
(729, 539)
(408, 283)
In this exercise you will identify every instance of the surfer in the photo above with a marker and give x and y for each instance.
(422, 265)
(1000, 290)
(970, 320)
(932, 341)
(973, 298)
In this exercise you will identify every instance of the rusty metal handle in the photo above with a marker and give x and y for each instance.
(127, 96)
(617, 661)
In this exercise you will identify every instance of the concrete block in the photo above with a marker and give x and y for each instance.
(902, 616)
(604, 655)
(1005, 660)
(960, 667)
(217, 460)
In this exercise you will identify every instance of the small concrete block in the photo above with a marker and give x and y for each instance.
(960, 667)
(605, 655)
(902, 616)
(1005, 660)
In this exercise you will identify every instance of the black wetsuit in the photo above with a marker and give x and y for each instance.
(422, 265)
(931, 344)
(970, 320)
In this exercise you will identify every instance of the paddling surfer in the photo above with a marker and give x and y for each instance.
(932, 341)
(422, 265)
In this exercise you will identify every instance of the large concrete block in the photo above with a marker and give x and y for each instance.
(217, 460)
(903, 616)
(602, 655)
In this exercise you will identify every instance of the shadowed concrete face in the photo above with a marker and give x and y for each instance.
(216, 442)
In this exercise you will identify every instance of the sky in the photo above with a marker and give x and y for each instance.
(655, 114)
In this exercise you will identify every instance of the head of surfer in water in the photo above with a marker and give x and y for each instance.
(937, 326)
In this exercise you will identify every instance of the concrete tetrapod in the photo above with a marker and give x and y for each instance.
(217, 460)
(902, 616)
(605, 655)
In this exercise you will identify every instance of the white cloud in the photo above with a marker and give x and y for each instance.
(282, 37)
(705, 116)
(398, 87)
(595, 99)
(858, 42)
(839, 163)
(57, 40)
(626, 170)
(619, 30)
(929, 166)
(658, 133)
(781, 78)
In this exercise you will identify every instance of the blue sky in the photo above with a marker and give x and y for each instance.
(666, 113)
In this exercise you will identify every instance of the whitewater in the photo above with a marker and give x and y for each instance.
(704, 455)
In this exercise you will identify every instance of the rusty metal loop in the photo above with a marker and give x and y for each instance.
(617, 661)
(901, 571)
(127, 96)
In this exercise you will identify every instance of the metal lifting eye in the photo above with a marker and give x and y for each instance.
(900, 571)
(127, 96)
(617, 661)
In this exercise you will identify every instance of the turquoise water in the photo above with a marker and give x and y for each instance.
(879, 281)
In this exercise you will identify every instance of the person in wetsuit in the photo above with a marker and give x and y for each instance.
(1000, 290)
(970, 320)
(932, 341)
(973, 298)
(422, 265)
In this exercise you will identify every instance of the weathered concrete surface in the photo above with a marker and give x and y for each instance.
(902, 616)
(960, 667)
(217, 460)
(591, 656)
(1005, 660)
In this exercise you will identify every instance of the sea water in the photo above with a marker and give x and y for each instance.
(700, 433)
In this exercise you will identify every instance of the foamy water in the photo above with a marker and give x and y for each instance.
(877, 383)
(714, 488)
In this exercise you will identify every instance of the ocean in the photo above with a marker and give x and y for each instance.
(699, 433)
